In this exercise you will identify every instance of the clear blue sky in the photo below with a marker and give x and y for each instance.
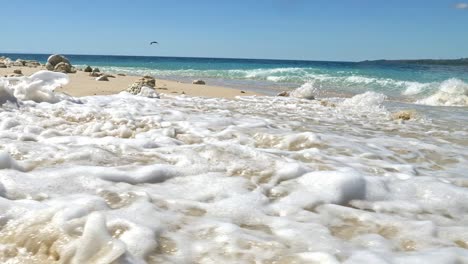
(285, 29)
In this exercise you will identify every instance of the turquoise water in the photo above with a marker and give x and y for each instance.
(396, 80)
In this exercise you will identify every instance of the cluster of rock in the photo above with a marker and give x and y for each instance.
(7, 62)
(59, 63)
(144, 86)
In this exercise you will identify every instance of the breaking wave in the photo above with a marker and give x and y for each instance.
(452, 92)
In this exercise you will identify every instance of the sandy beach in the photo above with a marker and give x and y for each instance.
(81, 84)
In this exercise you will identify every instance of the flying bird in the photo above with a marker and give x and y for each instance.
(153, 42)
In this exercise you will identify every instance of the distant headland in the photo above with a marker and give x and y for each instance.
(448, 62)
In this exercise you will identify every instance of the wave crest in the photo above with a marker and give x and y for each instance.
(452, 92)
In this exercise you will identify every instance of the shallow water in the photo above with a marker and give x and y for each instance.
(129, 179)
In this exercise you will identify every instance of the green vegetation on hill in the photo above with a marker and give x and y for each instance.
(456, 62)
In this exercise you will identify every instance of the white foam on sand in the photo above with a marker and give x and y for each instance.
(133, 179)
(38, 87)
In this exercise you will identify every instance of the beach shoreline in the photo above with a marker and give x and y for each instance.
(82, 84)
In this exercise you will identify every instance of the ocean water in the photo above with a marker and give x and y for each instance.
(132, 179)
(448, 85)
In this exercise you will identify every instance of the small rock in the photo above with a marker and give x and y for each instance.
(102, 78)
(94, 74)
(109, 76)
(404, 115)
(18, 71)
(96, 70)
(121, 74)
(32, 63)
(283, 93)
(2, 65)
(145, 86)
(88, 69)
(147, 81)
(326, 103)
(242, 91)
(199, 82)
(17, 63)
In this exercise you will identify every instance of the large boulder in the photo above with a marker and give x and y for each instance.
(145, 81)
(56, 59)
(59, 63)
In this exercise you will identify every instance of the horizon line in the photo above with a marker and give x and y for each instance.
(229, 58)
(188, 57)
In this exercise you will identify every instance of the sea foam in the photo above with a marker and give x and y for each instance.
(131, 179)
(38, 87)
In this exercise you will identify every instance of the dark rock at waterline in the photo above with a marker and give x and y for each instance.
(199, 82)
(88, 69)
(95, 74)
